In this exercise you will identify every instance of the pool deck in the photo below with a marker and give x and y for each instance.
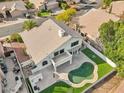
(64, 76)
(49, 79)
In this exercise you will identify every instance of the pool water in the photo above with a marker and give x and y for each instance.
(85, 71)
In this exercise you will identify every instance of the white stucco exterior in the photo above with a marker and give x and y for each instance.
(66, 46)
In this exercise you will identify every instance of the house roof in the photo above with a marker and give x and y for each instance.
(92, 20)
(43, 40)
(37, 3)
(117, 7)
(20, 5)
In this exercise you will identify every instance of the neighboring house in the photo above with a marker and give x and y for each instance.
(37, 3)
(52, 43)
(16, 8)
(51, 4)
(91, 21)
(117, 7)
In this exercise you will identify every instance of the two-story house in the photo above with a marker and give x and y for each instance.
(52, 43)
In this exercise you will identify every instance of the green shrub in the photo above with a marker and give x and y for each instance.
(16, 38)
(29, 24)
(63, 5)
(66, 16)
(44, 13)
(7, 40)
(29, 5)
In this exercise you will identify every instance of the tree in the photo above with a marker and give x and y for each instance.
(63, 17)
(66, 16)
(71, 11)
(106, 3)
(29, 5)
(107, 31)
(112, 37)
(29, 24)
(63, 5)
(120, 68)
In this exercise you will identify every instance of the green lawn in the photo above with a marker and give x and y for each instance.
(61, 87)
(103, 67)
(45, 14)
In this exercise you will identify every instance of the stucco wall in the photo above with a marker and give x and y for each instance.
(66, 47)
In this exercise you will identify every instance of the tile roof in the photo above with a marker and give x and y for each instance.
(19, 4)
(92, 20)
(43, 40)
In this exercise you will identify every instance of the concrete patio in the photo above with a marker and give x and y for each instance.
(48, 76)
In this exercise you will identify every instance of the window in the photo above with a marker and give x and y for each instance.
(61, 51)
(56, 53)
(44, 63)
(70, 52)
(74, 43)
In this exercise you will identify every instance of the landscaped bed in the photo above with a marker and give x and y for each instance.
(61, 87)
(85, 71)
(44, 13)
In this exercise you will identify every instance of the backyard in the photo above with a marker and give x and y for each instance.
(61, 87)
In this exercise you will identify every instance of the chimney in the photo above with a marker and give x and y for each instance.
(61, 33)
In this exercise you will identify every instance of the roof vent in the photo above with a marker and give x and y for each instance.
(61, 33)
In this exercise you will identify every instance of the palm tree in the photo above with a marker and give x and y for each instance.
(29, 5)
(29, 24)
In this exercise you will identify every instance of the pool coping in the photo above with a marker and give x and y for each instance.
(64, 77)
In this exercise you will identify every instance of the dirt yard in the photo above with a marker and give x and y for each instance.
(109, 86)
